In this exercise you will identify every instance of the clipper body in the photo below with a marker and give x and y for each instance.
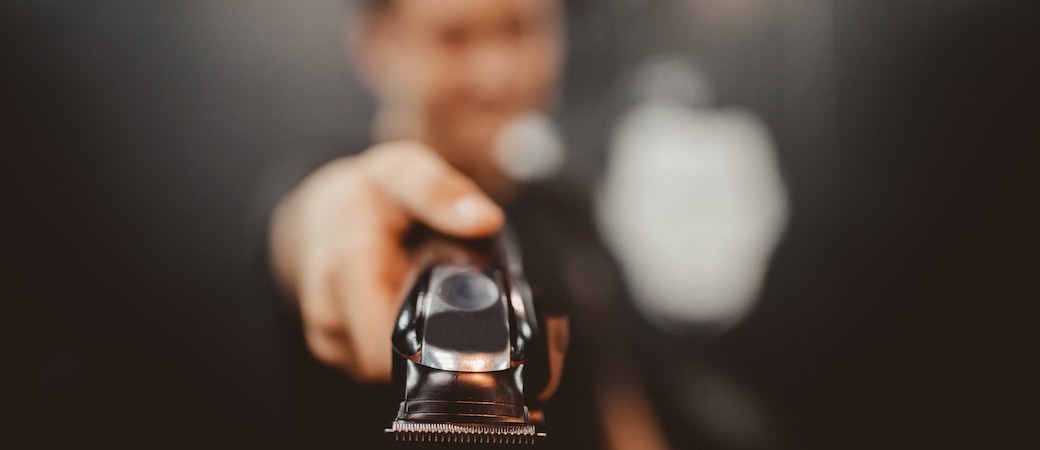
(466, 331)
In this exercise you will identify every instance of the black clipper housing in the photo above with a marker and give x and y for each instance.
(465, 336)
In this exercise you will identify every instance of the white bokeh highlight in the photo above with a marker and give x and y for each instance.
(529, 148)
(693, 204)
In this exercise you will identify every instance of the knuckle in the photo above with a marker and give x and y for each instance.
(409, 149)
(322, 317)
(369, 372)
(324, 350)
(394, 157)
(397, 151)
(330, 325)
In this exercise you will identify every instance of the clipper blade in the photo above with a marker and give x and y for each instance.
(464, 433)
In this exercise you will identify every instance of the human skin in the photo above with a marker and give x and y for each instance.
(447, 75)
(336, 245)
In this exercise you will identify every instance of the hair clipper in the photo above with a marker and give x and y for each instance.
(470, 352)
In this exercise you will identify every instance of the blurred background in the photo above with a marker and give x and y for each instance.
(885, 243)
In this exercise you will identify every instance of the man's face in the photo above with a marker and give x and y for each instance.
(461, 69)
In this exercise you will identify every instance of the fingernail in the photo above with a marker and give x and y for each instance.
(472, 210)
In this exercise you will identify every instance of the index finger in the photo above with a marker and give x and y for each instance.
(426, 187)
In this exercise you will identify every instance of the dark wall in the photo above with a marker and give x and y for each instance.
(138, 135)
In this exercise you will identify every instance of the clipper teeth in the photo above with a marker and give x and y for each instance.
(405, 431)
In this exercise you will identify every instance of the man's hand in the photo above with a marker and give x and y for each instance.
(336, 245)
